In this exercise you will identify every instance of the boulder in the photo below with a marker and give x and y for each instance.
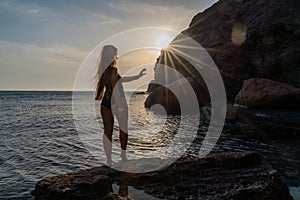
(167, 96)
(221, 176)
(265, 93)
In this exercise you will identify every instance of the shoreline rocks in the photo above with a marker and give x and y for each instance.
(235, 175)
(265, 93)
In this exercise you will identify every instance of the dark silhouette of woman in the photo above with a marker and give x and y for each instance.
(113, 100)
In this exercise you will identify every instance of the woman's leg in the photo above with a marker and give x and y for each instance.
(108, 121)
(120, 110)
(122, 117)
(123, 140)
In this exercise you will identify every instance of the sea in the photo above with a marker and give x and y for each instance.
(39, 139)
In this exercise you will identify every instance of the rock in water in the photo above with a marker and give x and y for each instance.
(168, 97)
(239, 175)
(265, 93)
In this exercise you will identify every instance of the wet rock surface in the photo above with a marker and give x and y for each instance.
(237, 175)
(264, 125)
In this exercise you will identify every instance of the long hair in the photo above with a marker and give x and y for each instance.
(107, 58)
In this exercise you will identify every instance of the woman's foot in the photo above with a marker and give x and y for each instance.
(108, 163)
(123, 155)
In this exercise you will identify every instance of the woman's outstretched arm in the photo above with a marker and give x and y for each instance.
(132, 78)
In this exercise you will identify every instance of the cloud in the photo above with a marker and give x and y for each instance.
(45, 23)
(69, 15)
(133, 6)
(34, 58)
(61, 53)
(142, 13)
(196, 5)
(136, 7)
(36, 67)
(119, 8)
(95, 17)
(30, 10)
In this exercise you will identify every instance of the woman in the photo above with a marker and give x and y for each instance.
(113, 100)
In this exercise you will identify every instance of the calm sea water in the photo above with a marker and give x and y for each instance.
(38, 139)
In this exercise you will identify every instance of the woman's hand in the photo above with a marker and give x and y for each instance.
(142, 73)
(132, 78)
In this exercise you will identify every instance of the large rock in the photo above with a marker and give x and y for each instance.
(265, 93)
(168, 96)
(73, 186)
(219, 176)
(246, 39)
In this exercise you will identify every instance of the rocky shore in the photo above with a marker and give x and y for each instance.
(237, 175)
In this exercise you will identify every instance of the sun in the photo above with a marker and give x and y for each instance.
(163, 41)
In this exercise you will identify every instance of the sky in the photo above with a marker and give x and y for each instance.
(43, 43)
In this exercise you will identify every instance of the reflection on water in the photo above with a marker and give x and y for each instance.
(38, 139)
(131, 193)
(150, 135)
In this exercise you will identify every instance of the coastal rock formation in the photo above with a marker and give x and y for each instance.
(265, 93)
(239, 175)
(168, 96)
(246, 39)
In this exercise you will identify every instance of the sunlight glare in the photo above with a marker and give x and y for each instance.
(163, 41)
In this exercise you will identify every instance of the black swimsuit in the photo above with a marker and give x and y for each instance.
(107, 100)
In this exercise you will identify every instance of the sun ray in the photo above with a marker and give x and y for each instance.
(192, 47)
(198, 78)
(184, 38)
(165, 63)
(185, 46)
(203, 64)
(178, 40)
(177, 48)
(166, 76)
(169, 55)
(198, 61)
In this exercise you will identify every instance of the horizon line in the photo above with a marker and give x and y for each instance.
(52, 90)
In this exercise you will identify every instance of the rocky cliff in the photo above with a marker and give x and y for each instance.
(247, 39)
